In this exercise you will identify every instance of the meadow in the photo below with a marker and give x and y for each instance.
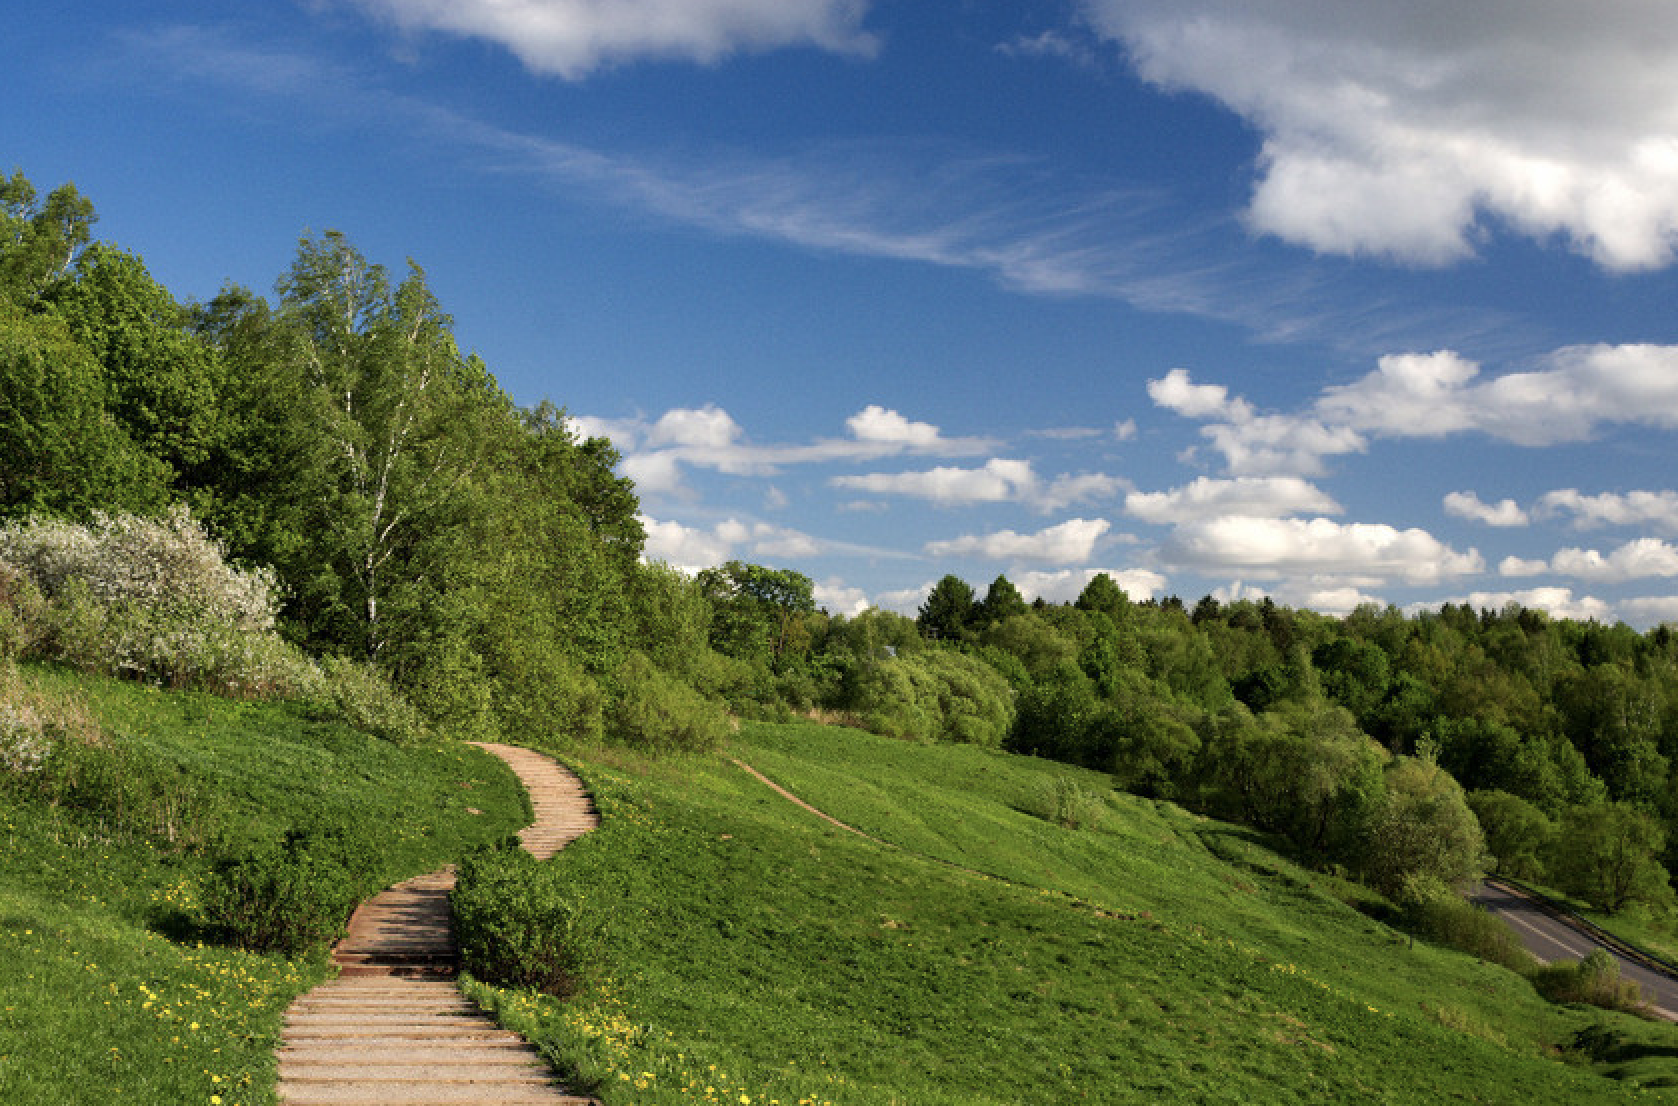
(112, 987)
(748, 952)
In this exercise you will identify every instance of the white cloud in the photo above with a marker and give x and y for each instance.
(1519, 566)
(683, 546)
(1579, 391)
(1468, 505)
(708, 427)
(1254, 497)
(692, 548)
(1124, 430)
(709, 437)
(1637, 508)
(1396, 132)
(1651, 610)
(1049, 44)
(1176, 391)
(1065, 585)
(1635, 560)
(1331, 600)
(1067, 543)
(997, 481)
(1084, 487)
(1274, 548)
(573, 38)
(836, 597)
(1558, 602)
(906, 600)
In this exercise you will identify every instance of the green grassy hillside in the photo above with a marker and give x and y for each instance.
(755, 954)
(112, 990)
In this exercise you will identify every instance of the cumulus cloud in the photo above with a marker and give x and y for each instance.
(573, 38)
(1402, 134)
(1254, 497)
(683, 546)
(1635, 560)
(1065, 585)
(1637, 508)
(1275, 548)
(1577, 392)
(1067, 543)
(1503, 513)
(1650, 610)
(693, 548)
(709, 437)
(1558, 602)
(837, 597)
(997, 481)
(1521, 566)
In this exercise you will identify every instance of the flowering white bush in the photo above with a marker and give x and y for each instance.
(166, 564)
(23, 747)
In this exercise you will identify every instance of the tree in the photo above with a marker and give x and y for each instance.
(161, 378)
(1423, 828)
(1518, 834)
(1102, 594)
(396, 412)
(1002, 600)
(758, 612)
(63, 452)
(947, 613)
(1608, 854)
(38, 241)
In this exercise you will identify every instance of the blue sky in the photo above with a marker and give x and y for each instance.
(1332, 302)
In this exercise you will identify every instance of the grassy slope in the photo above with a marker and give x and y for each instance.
(762, 956)
(107, 993)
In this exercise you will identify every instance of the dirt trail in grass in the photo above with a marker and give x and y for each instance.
(393, 1028)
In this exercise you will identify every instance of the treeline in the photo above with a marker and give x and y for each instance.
(485, 560)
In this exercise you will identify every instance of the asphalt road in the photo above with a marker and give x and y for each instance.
(1549, 938)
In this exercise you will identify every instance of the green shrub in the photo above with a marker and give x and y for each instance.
(933, 695)
(1432, 910)
(1065, 802)
(658, 713)
(520, 925)
(1595, 980)
(291, 896)
(358, 693)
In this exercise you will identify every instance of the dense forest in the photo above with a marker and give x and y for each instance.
(401, 517)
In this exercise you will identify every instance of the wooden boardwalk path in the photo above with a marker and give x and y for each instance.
(393, 1029)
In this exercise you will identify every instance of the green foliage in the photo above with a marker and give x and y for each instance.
(1067, 803)
(947, 613)
(1422, 827)
(1436, 912)
(293, 896)
(64, 452)
(38, 241)
(1595, 981)
(1518, 835)
(521, 924)
(655, 712)
(934, 695)
(359, 694)
(1608, 855)
(758, 614)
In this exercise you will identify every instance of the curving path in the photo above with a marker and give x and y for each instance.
(393, 1028)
